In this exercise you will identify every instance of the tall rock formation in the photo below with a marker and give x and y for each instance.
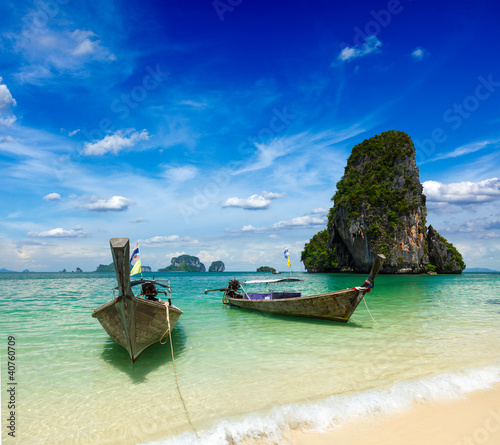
(184, 263)
(217, 266)
(379, 207)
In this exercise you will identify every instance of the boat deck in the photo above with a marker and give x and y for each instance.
(273, 295)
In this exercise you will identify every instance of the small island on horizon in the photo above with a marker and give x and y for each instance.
(266, 269)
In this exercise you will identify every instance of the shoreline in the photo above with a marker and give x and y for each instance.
(470, 420)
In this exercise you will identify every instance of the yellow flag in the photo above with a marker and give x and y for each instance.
(137, 267)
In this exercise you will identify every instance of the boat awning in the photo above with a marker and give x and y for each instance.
(278, 280)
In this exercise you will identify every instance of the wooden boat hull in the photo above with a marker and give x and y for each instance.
(132, 322)
(336, 306)
(137, 323)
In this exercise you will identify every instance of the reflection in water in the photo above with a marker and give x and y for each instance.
(154, 357)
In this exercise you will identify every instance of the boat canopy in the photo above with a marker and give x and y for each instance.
(278, 280)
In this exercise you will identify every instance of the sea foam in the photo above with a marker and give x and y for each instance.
(338, 410)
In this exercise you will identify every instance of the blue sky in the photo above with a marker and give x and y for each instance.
(220, 128)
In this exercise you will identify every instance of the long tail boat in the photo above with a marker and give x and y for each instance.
(136, 321)
(337, 306)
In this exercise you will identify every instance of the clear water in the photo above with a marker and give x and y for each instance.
(242, 374)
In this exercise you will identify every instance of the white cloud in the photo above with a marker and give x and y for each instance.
(59, 233)
(305, 142)
(419, 53)
(54, 52)
(250, 228)
(209, 257)
(114, 143)
(113, 204)
(6, 99)
(266, 154)
(178, 175)
(6, 139)
(468, 148)
(371, 45)
(85, 43)
(138, 220)
(6, 102)
(193, 104)
(175, 254)
(7, 121)
(320, 211)
(463, 192)
(52, 197)
(271, 195)
(301, 222)
(254, 202)
(168, 239)
(298, 222)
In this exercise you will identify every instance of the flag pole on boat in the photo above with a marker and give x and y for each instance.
(135, 261)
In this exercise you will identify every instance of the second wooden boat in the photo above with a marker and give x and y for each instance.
(337, 306)
(136, 321)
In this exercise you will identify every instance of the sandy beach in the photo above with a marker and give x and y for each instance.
(475, 419)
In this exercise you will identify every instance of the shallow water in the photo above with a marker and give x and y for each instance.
(241, 373)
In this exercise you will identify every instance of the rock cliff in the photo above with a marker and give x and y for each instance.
(442, 254)
(379, 207)
(217, 266)
(317, 257)
(184, 263)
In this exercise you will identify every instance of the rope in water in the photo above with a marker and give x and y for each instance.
(364, 299)
(175, 370)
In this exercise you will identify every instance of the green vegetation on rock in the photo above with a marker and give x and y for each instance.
(184, 263)
(217, 266)
(457, 256)
(180, 268)
(266, 269)
(378, 189)
(317, 256)
(104, 268)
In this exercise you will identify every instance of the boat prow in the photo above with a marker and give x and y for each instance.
(136, 322)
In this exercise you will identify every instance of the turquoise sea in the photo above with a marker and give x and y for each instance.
(242, 374)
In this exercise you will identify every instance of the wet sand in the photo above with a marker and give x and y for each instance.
(474, 419)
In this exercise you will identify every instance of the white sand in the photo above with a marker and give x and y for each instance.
(474, 420)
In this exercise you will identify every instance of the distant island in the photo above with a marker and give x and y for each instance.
(184, 263)
(480, 270)
(104, 268)
(3, 270)
(217, 266)
(266, 269)
(111, 268)
(379, 208)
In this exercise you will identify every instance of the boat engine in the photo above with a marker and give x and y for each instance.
(149, 291)
(232, 289)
